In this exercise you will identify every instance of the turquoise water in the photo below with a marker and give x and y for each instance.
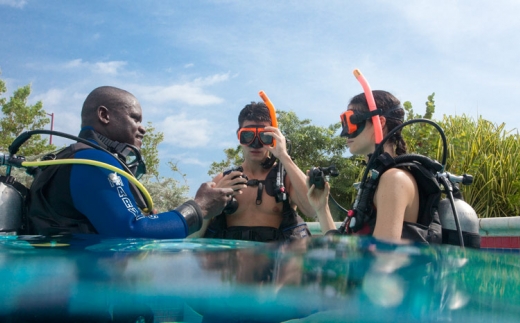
(347, 279)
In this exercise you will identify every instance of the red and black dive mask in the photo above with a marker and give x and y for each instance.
(353, 122)
(254, 136)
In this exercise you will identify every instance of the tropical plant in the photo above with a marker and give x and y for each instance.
(17, 117)
(489, 153)
(167, 193)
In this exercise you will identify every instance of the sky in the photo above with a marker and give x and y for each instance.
(193, 65)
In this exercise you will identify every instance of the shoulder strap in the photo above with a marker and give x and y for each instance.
(421, 167)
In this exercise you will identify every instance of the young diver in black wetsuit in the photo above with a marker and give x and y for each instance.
(266, 206)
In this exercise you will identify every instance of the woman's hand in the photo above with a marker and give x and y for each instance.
(318, 198)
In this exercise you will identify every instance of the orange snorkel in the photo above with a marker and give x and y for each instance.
(272, 111)
(378, 130)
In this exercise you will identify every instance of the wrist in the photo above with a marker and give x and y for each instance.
(192, 214)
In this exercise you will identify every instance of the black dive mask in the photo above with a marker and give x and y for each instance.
(256, 143)
(128, 154)
(132, 158)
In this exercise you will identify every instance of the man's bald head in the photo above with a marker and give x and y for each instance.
(115, 114)
(110, 97)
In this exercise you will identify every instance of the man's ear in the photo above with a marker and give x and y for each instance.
(103, 115)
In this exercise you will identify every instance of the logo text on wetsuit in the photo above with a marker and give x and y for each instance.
(116, 181)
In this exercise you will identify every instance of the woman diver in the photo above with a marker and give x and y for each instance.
(396, 207)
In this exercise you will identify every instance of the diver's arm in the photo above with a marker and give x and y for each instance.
(396, 200)
(106, 200)
(318, 199)
(296, 185)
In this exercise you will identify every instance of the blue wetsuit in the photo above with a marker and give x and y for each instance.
(105, 199)
(89, 199)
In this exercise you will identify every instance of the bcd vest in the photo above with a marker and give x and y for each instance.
(428, 227)
(46, 219)
(292, 225)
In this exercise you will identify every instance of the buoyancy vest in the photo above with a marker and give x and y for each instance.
(428, 228)
(292, 226)
(54, 181)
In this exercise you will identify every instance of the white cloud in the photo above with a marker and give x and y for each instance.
(187, 93)
(194, 161)
(210, 80)
(191, 93)
(183, 132)
(457, 23)
(52, 97)
(14, 3)
(110, 67)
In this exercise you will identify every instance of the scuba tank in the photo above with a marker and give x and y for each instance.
(11, 207)
(12, 198)
(467, 220)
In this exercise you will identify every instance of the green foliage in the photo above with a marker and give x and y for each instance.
(477, 147)
(489, 153)
(419, 137)
(167, 193)
(17, 117)
(233, 158)
(149, 150)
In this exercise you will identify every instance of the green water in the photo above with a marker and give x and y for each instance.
(347, 279)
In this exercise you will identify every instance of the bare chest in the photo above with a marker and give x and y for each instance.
(256, 208)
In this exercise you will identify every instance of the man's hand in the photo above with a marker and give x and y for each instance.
(280, 151)
(212, 200)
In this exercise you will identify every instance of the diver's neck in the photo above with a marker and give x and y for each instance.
(254, 168)
(390, 149)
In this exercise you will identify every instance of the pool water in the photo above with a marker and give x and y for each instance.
(323, 279)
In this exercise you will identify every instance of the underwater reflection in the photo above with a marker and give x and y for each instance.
(323, 279)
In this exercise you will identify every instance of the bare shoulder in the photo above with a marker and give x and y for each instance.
(397, 176)
(397, 180)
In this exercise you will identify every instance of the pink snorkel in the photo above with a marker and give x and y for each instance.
(378, 130)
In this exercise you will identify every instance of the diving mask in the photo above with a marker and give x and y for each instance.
(247, 135)
(353, 122)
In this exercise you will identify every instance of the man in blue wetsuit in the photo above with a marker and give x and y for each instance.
(75, 199)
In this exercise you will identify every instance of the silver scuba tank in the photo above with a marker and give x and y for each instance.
(468, 221)
(11, 209)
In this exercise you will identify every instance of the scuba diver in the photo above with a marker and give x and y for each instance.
(397, 196)
(266, 193)
(84, 199)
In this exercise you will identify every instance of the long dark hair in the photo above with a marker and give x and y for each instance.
(392, 111)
